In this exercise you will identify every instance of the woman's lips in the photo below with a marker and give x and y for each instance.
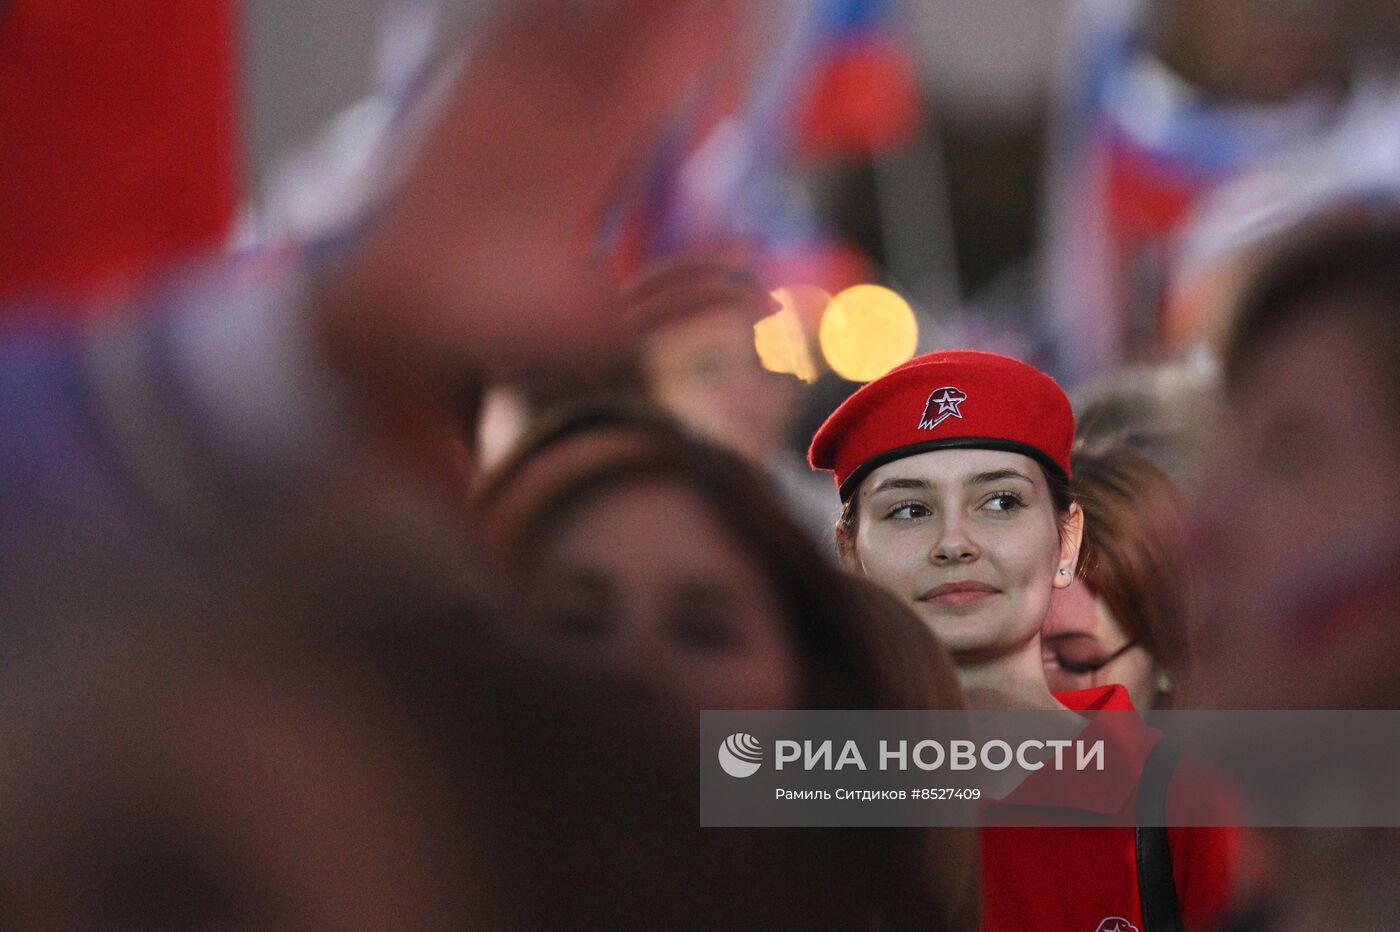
(956, 594)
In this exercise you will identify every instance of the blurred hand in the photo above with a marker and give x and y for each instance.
(682, 286)
(485, 262)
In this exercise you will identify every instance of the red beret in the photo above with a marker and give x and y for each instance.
(958, 398)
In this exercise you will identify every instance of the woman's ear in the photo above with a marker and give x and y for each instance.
(1071, 535)
(846, 549)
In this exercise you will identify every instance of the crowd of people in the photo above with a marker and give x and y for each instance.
(290, 637)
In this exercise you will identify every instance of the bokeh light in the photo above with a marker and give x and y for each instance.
(785, 340)
(867, 331)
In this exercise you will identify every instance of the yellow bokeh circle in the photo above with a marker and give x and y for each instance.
(867, 331)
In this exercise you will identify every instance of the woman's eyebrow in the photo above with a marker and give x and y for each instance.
(899, 484)
(998, 475)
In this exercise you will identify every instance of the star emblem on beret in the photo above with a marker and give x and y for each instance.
(942, 404)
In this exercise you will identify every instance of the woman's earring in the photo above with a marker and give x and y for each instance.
(1164, 682)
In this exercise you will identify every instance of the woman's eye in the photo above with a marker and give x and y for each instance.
(705, 632)
(1080, 667)
(908, 512)
(1078, 655)
(579, 607)
(1004, 502)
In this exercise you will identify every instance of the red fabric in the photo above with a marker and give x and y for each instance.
(118, 123)
(865, 101)
(833, 265)
(1346, 608)
(1005, 399)
(1147, 199)
(1085, 878)
(1147, 202)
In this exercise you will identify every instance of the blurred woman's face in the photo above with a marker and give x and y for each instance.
(970, 540)
(1302, 504)
(705, 373)
(1304, 484)
(1084, 645)
(649, 587)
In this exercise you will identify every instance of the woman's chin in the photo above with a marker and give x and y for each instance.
(962, 636)
(963, 630)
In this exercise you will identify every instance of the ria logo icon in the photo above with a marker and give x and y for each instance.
(740, 755)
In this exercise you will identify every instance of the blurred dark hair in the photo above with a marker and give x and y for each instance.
(581, 452)
(1355, 265)
(918, 674)
(182, 774)
(1133, 554)
(857, 648)
(194, 764)
(1159, 410)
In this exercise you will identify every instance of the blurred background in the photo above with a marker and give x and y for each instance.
(1083, 184)
(1066, 180)
(1088, 185)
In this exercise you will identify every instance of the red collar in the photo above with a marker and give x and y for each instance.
(1110, 698)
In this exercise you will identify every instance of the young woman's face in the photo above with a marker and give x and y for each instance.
(970, 539)
(1083, 645)
(649, 587)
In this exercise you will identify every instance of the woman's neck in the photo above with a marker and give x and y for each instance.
(1014, 680)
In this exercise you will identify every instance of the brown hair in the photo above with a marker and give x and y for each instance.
(1133, 554)
(915, 672)
(579, 453)
(1331, 258)
(856, 646)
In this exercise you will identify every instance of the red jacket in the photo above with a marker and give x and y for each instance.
(1085, 879)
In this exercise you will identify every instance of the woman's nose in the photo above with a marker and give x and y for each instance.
(953, 546)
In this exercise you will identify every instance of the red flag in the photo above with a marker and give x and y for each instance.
(119, 127)
(865, 98)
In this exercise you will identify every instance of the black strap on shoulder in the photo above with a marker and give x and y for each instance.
(1161, 911)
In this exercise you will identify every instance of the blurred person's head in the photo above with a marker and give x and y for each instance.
(669, 569)
(670, 563)
(1261, 51)
(1162, 412)
(911, 670)
(655, 559)
(705, 373)
(224, 768)
(703, 368)
(1123, 619)
(1302, 521)
(954, 472)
